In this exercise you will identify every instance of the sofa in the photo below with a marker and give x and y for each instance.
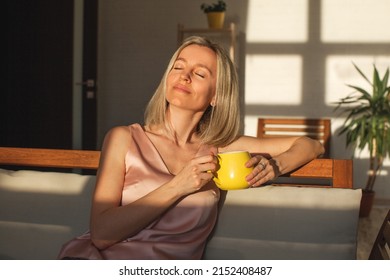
(41, 210)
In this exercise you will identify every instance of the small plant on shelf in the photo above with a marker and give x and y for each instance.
(220, 6)
(215, 13)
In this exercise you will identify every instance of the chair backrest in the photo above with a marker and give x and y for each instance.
(318, 129)
(381, 248)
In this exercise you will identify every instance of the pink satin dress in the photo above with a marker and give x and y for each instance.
(181, 233)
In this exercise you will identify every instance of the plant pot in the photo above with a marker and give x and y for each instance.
(216, 19)
(366, 203)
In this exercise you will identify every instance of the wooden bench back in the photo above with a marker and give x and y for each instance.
(318, 129)
(338, 173)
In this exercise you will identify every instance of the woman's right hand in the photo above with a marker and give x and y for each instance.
(195, 175)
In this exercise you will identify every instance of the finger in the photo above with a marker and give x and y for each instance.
(261, 174)
(252, 161)
(259, 183)
(264, 178)
(259, 180)
(206, 176)
(262, 165)
(256, 173)
(208, 167)
(205, 159)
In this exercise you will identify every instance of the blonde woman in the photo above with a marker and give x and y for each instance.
(154, 196)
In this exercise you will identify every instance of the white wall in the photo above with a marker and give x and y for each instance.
(297, 57)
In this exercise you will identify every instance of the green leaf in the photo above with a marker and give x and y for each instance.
(361, 73)
(367, 121)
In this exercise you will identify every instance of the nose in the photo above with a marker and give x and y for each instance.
(185, 76)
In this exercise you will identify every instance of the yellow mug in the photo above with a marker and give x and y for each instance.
(232, 170)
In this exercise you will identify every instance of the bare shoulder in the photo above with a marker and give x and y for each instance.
(117, 140)
(118, 134)
(119, 131)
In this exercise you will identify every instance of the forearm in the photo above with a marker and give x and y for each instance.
(301, 151)
(120, 222)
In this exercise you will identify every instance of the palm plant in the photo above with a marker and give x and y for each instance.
(368, 121)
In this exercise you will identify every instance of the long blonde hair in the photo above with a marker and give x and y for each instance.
(220, 124)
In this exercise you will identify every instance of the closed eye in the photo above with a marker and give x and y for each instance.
(178, 65)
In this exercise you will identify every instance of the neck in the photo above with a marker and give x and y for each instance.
(183, 125)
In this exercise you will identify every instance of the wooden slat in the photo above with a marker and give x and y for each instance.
(49, 158)
(318, 168)
(267, 127)
(337, 170)
(283, 121)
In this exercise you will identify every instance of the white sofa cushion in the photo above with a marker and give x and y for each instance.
(39, 211)
(274, 222)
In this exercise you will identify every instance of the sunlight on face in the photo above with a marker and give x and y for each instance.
(192, 80)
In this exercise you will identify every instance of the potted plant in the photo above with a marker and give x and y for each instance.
(215, 13)
(367, 125)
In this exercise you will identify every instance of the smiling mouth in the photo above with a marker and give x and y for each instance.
(182, 88)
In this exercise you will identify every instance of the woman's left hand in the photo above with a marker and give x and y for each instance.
(264, 170)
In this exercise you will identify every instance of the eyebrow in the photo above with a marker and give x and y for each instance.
(197, 65)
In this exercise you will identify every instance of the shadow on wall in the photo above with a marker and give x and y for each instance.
(314, 53)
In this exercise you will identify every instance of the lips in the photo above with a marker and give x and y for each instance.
(182, 88)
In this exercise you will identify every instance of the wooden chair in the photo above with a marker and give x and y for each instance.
(318, 129)
(381, 247)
